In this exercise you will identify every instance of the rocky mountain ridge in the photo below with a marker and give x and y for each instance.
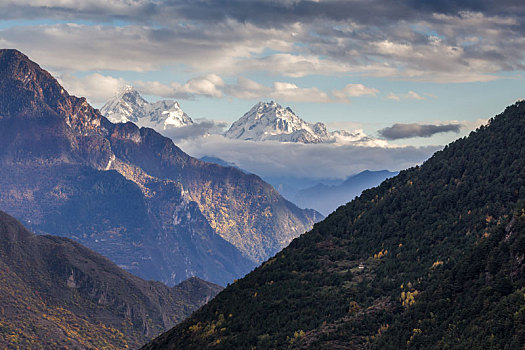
(128, 192)
(55, 293)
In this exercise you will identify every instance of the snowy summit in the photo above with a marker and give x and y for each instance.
(270, 121)
(129, 106)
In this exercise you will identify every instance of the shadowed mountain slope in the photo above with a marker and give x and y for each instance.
(130, 193)
(55, 293)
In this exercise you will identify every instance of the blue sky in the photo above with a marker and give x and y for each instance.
(364, 64)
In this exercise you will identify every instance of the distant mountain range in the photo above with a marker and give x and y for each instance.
(264, 121)
(326, 198)
(270, 121)
(433, 258)
(128, 192)
(323, 195)
(57, 294)
(289, 185)
(129, 106)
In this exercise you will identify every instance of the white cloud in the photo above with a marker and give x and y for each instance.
(387, 47)
(209, 86)
(78, 47)
(97, 88)
(307, 38)
(213, 86)
(271, 158)
(470, 125)
(282, 91)
(201, 127)
(353, 90)
(293, 65)
(248, 89)
(286, 91)
(411, 95)
(474, 19)
(292, 93)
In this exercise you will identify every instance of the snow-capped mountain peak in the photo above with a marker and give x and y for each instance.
(129, 105)
(271, 121)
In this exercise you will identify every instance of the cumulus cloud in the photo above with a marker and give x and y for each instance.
(438, 41)
(472, 124)
(353, 90)
(293, 65)
(214, 86)
(285, 91)
(209, 86)
(199, 129)
(272, 158)
(82, 47)
(290, 92)
(411, 95)
(97, 88)
(405, 131)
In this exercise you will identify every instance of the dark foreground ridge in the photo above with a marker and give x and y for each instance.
(432, 258)
(57, 294)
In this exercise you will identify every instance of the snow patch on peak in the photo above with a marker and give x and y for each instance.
(129, 106)
(126, 89)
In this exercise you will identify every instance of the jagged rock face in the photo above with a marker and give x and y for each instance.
(55, 292)
(270, 121)
(67, 170)
(27, 91)
(129, 106)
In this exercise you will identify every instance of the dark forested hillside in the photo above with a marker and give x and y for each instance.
(57, 294)
(432, 258)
